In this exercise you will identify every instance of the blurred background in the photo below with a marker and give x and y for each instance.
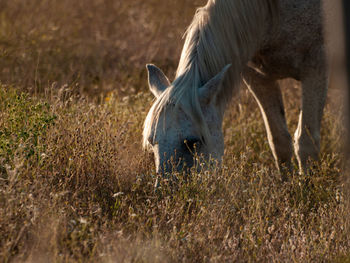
(94, 45)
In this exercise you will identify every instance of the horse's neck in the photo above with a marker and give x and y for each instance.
(225, 32)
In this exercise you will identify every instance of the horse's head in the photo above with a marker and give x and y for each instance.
(176, 135)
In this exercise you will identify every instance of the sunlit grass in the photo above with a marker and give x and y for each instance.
(75, 185)
(92, 189)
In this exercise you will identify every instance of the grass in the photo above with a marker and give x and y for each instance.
(75, 185)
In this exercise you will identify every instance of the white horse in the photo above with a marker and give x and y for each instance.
(259, 41)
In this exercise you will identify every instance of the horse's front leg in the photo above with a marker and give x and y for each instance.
(268, 95)
(307, 135)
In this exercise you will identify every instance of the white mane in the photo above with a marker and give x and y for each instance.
(223, 32)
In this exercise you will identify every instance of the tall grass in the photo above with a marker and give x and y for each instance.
(75, 185)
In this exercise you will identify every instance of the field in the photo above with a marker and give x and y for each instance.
(75, 184)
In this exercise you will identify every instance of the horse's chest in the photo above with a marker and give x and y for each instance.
(279, 63)
(288, 52)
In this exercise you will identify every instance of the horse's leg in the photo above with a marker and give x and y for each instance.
(307, 135)
(268, 95)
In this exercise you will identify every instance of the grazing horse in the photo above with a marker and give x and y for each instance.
(259, 42)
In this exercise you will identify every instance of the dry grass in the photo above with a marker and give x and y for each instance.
(75, 185)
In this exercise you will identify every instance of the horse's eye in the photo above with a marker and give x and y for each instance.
(192, 144)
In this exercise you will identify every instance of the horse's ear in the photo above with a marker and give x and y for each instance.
(212, 87)
(157, 80)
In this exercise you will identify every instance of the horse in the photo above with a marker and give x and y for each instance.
(230, 42)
